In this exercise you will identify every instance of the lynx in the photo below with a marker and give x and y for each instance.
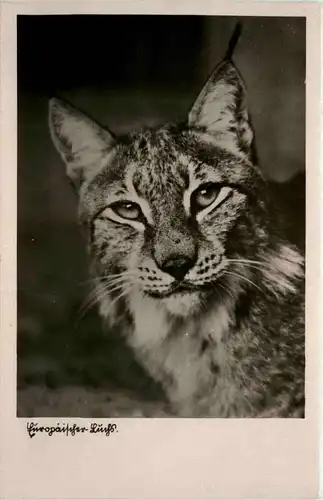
(187, 257)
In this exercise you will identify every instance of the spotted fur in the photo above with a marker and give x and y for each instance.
(227, 338)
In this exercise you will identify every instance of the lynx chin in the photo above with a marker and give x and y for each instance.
(188, 260)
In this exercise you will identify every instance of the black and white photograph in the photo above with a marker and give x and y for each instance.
(161, 216)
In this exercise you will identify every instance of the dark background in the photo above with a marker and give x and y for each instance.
(126, 71)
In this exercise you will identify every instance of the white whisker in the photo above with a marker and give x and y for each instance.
(227, 289)
(103, 279)
(243, 278)
(120, 296)
(251, 263)
(96, 296)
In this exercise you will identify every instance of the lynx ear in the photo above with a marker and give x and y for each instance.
(220, 111)
(80, 141)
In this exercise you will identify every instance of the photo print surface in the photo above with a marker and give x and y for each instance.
(161, 216)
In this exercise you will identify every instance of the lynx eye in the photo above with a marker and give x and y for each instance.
(205, 195)
(127, 209)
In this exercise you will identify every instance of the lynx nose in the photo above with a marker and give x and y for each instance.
(177, 266)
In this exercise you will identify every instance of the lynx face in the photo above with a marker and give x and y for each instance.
(170, 211)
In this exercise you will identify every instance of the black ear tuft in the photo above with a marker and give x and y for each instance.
(235, 37)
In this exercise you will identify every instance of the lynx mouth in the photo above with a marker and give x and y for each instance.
(178, 289)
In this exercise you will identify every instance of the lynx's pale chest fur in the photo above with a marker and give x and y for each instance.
(187, 258)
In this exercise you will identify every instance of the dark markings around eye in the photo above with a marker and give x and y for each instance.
(229, 195)
(206, 195)
(128, 210)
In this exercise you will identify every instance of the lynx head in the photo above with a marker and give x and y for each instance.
(172, 210)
